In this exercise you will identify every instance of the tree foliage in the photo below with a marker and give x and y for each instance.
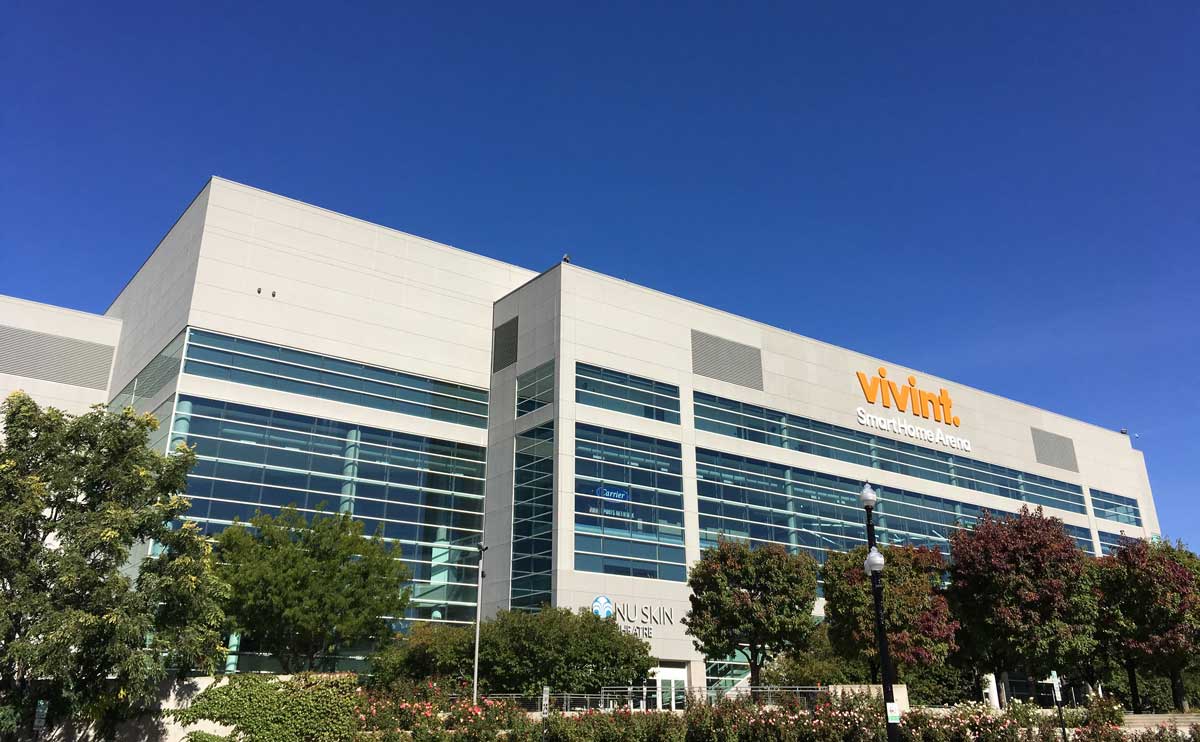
(305, 708)
(303, 589)
(1020, 589)
(818, 664)
(76, 628)
(917, 618)
(521, 652)
(757, 601)
(1149, 597)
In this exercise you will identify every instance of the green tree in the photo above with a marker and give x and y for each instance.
(917, 617)
(1019, 589)
(77, 629)
(1150, 612)
(758, 601)
(303, 589)
(428, 651)
(521, 652)
(818, 664)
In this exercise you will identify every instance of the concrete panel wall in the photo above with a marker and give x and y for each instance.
(281, 271)
(38, 377)
(154, 305)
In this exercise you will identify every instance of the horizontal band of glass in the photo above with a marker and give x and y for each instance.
(323, 485)
(659, 453)
(365, 451)
(535, 388)
(459, 614)
(333, 469)
(846, 444)
(659, 492)
(600, 526)
(1081, 536)
(1116, 507)
(661, 390)
(613, 546)
(1110, 542)
(374, 443)
(763, 479)
(621, 392)
(634, 478)
(628, 509)
(629, 408)
(444, 593)
(813, 510)
(227, 511)
(398, 510)
(762, 425)
(339, 366)
(624, 567)
(257, 364)
(979, 481)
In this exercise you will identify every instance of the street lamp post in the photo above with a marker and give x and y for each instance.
(873, 565)
(478, 611)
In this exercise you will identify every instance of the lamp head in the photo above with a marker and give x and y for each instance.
(868, 497)
(874, 562)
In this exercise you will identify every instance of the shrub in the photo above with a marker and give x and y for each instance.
(307, 707)
(1105, 711)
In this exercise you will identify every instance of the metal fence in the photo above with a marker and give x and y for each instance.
(665, 697)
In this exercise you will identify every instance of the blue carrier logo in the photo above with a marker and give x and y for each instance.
(612, 492)
(602, 606)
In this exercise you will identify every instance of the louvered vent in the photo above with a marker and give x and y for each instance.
(504, 345)
(39, 355)
(1055, 450)
(725, 360)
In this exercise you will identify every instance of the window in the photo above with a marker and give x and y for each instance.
(628, 505)
(774, 428)
(535, 388)
(533, 519)
(1110, 542)
(1116, 507)
(425, 494)
(275, 367)
(622, 392)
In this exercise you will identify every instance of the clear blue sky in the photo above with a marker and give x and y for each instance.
(1005, 196)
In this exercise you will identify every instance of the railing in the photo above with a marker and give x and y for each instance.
(664, 697)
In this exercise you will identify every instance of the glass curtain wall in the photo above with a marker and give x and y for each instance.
(424, 494)
(533, 519)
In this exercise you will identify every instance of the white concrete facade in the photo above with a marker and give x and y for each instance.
(261, 267)
(616, 325)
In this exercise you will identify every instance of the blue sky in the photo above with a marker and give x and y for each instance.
(1008, 197)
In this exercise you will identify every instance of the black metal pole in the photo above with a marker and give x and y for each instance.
(885, 658)
(1062, 722)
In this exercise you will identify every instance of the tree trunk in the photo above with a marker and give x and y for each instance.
(1178, 693)
(1135, 700)
(1002, 690)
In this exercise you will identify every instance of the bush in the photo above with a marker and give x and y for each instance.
(260, 709)
(1107, 711)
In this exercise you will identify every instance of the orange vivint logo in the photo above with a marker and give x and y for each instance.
(908, 397)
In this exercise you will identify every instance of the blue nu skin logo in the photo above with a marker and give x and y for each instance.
(602, 606)
(610, 492)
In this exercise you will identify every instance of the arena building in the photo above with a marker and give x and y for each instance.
(594, 434)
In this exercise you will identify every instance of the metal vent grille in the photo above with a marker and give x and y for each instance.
(38, 355)
(1055, 450)
(504, 345)
(725, 360)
